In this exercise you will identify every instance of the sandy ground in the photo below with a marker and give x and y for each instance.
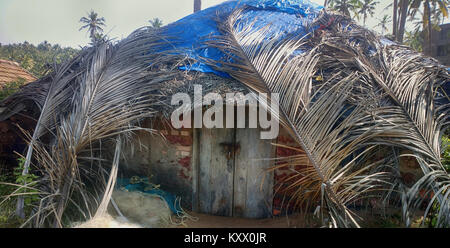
(210, 221)
(369, 219)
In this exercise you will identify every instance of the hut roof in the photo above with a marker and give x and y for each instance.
(11, 71)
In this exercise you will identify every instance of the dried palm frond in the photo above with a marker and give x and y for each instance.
(390, 99)
(413, 106)
(57, 101)
(325, 126)
(114, 89)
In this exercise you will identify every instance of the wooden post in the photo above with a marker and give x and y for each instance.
(195, 168)
(197, 5)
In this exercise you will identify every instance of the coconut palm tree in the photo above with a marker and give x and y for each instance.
(399, 14)
(366, 7)
(93, 23)
(431, 12)
(343, 6)
(383, 23)
(404, 8)
(156, 23)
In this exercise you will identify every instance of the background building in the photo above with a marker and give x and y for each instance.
(11, 71)
(440, 45)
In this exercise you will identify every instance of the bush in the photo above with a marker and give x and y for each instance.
(11, 88)
(432, 220)
(446, 153)
(8, 204)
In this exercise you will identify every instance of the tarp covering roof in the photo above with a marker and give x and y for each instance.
(284, 17)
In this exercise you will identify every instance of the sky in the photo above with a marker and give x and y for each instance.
(57, 21)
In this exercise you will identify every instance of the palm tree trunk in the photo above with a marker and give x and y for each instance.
(394, 22)
(197, 5)
(403, 14)
(92, 35)
(427, 26)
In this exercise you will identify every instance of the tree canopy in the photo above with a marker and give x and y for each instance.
(36, 59)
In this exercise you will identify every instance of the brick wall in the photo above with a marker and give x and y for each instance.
(281, 194)
(180, 141)
(165, 158)
(409, 170)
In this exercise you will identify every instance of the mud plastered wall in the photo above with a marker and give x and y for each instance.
(164, 157)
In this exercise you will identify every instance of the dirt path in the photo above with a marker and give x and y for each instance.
(211, 221)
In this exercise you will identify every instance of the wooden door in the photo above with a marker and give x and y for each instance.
(253, 185)
(216, 169)
(232, 180)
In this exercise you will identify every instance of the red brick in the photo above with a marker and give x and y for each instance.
(185, 162)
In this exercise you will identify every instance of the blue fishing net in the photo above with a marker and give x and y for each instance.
(144, 186)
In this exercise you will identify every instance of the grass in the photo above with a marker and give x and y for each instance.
(7, 208)
(8, 205)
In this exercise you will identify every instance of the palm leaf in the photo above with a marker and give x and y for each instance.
(56, 102)
(327, 136)
(116, 89)
(414, 106)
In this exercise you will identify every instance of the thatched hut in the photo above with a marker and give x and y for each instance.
(10, 138)
(185, 161)
(352, 106)
(11, 71)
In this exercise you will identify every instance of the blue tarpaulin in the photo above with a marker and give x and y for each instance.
(188, 34)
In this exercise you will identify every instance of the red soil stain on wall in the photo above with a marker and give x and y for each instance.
(185, 162)
(178, 139)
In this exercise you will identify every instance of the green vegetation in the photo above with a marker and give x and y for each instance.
(156, 23)
(414, 39)
(11, 88)
(431, 220)
(94, 25)
(29, 179)
(37, 59)
(425, 14)
(8, 187)
(392, 221)
(364, 8)
(446, 152)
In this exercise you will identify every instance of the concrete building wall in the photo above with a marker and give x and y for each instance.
(440, 46)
